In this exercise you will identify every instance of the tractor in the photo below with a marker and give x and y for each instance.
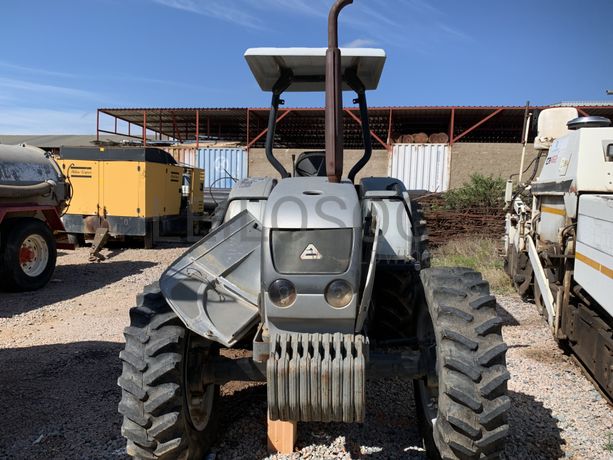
(326, 280)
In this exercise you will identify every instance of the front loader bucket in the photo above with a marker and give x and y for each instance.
(214, 286)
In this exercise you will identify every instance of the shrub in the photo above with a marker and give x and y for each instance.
(481, 191)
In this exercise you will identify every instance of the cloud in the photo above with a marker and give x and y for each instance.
(16, 120)
(30, 70)
(453, 32)
(315, 8)
(422, 6)
(27, 87)
(360, 43)
(218, 9)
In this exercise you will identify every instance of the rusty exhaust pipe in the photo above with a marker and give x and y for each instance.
(334, 97)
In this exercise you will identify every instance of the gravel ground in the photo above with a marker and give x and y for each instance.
(59, 366)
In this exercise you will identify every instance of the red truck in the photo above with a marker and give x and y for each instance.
(33, 195)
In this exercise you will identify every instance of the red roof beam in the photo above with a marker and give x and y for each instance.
(263, 133)
(374, 135)
(476, 125)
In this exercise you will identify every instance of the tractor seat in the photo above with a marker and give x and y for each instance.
(311, 164)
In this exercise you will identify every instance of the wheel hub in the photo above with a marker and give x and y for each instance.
(33, 255)
(199, 395)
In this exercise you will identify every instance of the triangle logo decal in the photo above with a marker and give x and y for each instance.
(311, 253)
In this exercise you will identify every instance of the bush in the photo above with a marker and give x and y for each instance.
(481, 191)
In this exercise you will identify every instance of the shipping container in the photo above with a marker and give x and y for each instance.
(421, 166)
(184, 155)
(223, 167)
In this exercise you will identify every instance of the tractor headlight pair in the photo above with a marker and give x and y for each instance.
(282, 293)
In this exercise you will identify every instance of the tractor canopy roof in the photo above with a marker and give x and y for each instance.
(308, 66)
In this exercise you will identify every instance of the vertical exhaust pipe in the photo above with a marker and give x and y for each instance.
(334, 97)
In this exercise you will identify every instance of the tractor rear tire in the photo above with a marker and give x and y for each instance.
(462, 403)
(397, 289)
(28, 253)
(421, 252)
(396, 293)
(168, 412)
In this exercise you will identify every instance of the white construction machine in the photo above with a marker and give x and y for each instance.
(559, 236)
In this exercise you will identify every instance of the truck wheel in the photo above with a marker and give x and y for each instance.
(168, 412)
(27, 255)
(462, 403)
(517, 265)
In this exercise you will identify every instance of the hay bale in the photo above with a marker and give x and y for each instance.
(439, 138)
(420, 138)
(404, 139)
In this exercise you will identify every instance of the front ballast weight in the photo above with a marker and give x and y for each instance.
(317, 377)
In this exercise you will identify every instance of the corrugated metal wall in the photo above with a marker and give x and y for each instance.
(222, 166)
(421, 166)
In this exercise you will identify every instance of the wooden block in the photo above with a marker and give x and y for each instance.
(281, 436)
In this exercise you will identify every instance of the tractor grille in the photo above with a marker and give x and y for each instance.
(312, 251)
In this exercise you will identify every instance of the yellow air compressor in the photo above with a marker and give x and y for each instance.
(132, 192)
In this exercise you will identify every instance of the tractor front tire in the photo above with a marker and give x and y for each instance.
(462, 403)
(168, 413)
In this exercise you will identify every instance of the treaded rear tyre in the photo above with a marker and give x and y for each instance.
(421, 240)
(468, 393)
(158, 361)
(395, 296)
(397, 288)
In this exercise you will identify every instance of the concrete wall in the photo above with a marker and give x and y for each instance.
(498, 160)
(259, 165)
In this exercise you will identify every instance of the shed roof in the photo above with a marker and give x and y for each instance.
(303, 127)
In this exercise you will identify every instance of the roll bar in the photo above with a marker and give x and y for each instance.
(282, 84)
(334, 106)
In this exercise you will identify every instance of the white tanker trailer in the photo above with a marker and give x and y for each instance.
(33, 195)
(559, 236)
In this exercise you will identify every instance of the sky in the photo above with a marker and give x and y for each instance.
(60, 60)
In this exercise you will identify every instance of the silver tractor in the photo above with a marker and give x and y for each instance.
(326, 281)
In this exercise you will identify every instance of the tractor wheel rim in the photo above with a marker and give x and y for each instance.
(199, 395)
(33, 255)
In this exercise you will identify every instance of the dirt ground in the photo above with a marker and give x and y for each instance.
(59, 366)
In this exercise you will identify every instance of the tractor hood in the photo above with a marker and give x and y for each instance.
(313, 202)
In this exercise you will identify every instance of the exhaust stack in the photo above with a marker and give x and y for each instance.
(334, 97)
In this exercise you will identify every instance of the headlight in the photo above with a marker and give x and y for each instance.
(339, 293)
(282, 293)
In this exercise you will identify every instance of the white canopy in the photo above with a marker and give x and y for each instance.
(266, 65)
